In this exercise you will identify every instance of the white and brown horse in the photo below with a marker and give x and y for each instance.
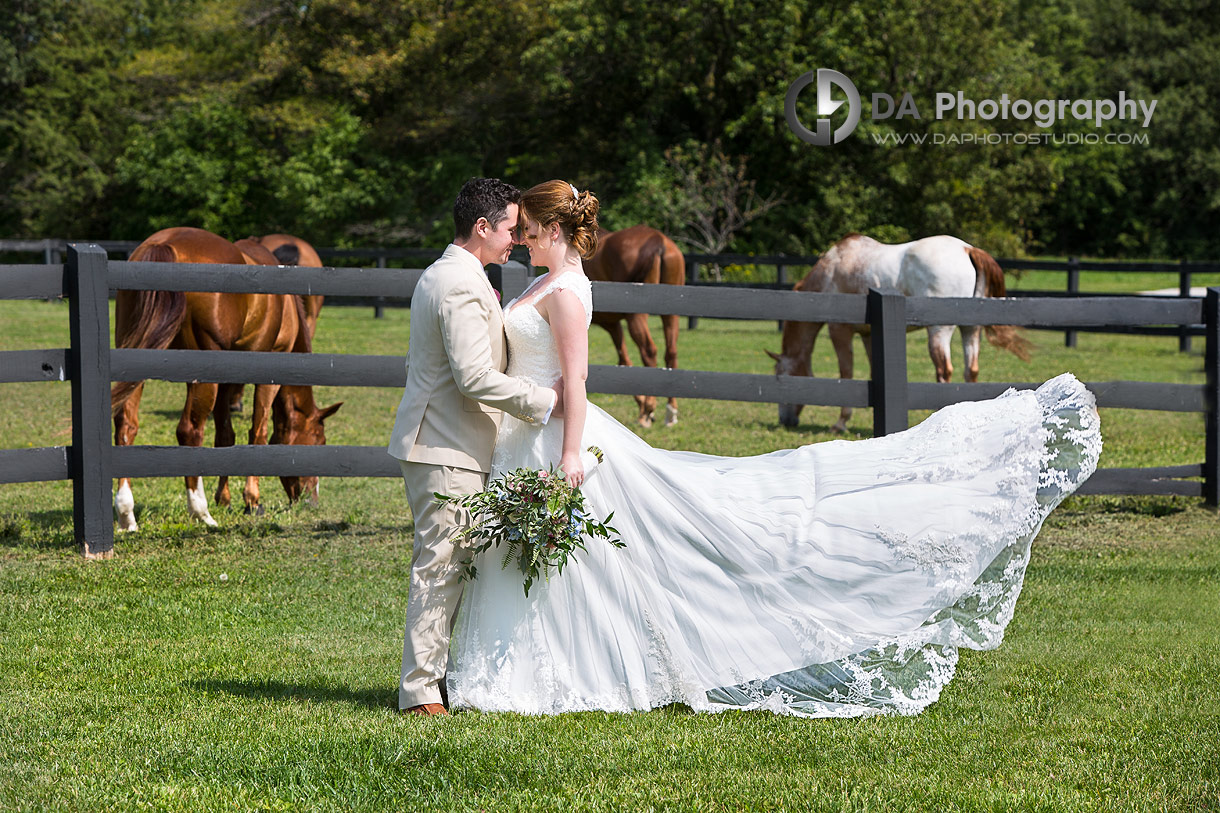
(934, 266)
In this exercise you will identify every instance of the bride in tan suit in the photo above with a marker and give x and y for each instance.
(446, 424)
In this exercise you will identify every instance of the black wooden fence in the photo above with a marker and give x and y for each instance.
(52, 250)
(1071, 268)
(91, 462)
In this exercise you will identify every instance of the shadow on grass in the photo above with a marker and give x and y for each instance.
(314, 693)
(811, 429)
(42, 530)
(1152, 506)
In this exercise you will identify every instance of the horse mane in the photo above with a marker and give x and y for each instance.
(991, 277)
(157, 317)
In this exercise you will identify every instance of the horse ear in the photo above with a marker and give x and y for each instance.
(330, 410)
(774, 356)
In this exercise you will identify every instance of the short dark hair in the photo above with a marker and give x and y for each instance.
(482, 197)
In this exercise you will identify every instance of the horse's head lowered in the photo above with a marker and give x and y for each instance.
(298, 421)
(794, 359)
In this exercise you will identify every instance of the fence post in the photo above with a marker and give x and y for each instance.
(513, 280)
(1184, 280)
(781, 278)
(1211, 456)
(86, 278)
(1073, 287)
(692, 276)
(887, 320)
(379, 305)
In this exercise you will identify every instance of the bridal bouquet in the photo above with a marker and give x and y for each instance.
(536, 516)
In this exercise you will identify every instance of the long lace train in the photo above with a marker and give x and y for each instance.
(836, 579)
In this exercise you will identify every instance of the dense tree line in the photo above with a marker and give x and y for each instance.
(354, 121)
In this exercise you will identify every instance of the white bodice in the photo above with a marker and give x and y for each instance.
(532, 353)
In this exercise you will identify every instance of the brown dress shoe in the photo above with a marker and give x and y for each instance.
(427, 710)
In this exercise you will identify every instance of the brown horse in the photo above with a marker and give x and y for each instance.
(933, 266)
(296, 419)
(640, 254)
(204, 321)
(280, 249)
(290, 250)
(295, 416)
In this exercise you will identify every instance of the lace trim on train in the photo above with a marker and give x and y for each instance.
(897, 675)
(906, 674)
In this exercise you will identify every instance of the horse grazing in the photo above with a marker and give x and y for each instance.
(933, 266)
(640, 254)
(296, 419)
(279, 249)
(205, 321)
(290, 250)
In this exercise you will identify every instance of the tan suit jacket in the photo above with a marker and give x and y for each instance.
(456, 386)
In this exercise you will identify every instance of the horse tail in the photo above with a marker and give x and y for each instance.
(1007, 337)
(673, 263)
(304, 341)
(988, 274)
(149, 319)
(990, 283)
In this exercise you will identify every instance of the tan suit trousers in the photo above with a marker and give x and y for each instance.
(436, 586)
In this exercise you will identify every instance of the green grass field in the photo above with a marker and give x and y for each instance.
(254, 666)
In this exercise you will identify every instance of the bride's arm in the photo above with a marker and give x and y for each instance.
(569, 325)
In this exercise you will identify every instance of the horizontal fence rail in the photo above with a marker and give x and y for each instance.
(52, 249)
(35, 465)
(1162, 480)
(223, 366)
(90, 365)
(261, 461)
(21, 366)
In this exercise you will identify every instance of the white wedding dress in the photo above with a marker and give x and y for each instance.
(837, 579)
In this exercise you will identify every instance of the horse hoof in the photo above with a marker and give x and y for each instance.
(125, 507)
(839, 429)
(256, 510)
(207, 520)
(671, 416)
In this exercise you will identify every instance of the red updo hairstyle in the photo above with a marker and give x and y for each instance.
(574, 211)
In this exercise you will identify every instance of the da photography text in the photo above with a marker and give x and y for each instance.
(1043, 113)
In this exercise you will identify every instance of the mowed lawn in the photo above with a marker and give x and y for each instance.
(254, 666)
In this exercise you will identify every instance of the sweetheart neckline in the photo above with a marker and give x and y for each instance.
(512, 306)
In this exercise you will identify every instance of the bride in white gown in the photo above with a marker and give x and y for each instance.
(836, 579)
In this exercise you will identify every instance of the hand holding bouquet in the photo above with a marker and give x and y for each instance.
(539, 519)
